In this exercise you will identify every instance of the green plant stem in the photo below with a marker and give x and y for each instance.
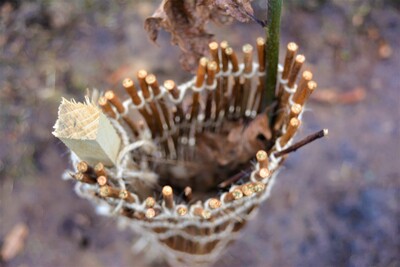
(272, 52)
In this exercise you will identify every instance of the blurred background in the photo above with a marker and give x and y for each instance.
(336, 202)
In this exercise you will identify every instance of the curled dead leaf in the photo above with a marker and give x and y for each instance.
(186, 20)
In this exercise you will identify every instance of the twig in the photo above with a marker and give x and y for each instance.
(235, 178)
(292, 148)
(305, 141)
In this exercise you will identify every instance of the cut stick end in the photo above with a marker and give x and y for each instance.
(312, 85)
(292, 47)
(169, 84)
(150, 202)
(247, 48)
(295, 122)
(258, 187)
(237, 194)
(127, 83)
(82, 167)
(203, 62)
(150, 213)
(260, 41)
(264, 173)
(150, 79)
(296, 109)
(141, 74)
(182, 211)
(109, 95)
(307, 75)
(325, 131)
(167, 190)
(102, 180)
(261, 155)
(102, 101)
(224, 44)
(214, 203)
(300, 58)
(213, 45)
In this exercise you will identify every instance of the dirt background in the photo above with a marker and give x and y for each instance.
(336, 202)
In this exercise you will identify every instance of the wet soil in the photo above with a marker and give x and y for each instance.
(336, 202)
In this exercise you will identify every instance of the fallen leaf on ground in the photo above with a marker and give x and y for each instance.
(14, 242)
(385, 50)
(332, 96)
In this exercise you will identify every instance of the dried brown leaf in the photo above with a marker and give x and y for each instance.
(332, 96)
(186, 20)
(14, 242)
(240, 10)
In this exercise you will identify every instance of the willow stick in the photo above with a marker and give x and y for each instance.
(247, 189)
(202, 213)
(84, 178)
(218, 92)
(106, 107)
(174, 91)
(141, 75)
(291, 129)
(233, 195)
(211, 71)
(257, 105)
(235, 94)
(188, 192)
(311, 86)
(214, 54)
(116, 102)
(214, 203)
(150, 213)
(130, 88)
(295, 111)
(165, 115)
(102, 180)
(181, 210)
(291, 51)
(300, 96)
(149, 202)
(84, 167)
(224, 105)
(152, 82)
(262, 159)
(168, 196)
(108, 191)
(298, 63)
(248, 68)
(127, 196)
(262, 174)
(201, 72)
(284, 97)
(99, 169)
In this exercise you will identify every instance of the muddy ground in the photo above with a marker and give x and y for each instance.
(336, 202)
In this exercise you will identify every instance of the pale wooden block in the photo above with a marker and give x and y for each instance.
(86, 131)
